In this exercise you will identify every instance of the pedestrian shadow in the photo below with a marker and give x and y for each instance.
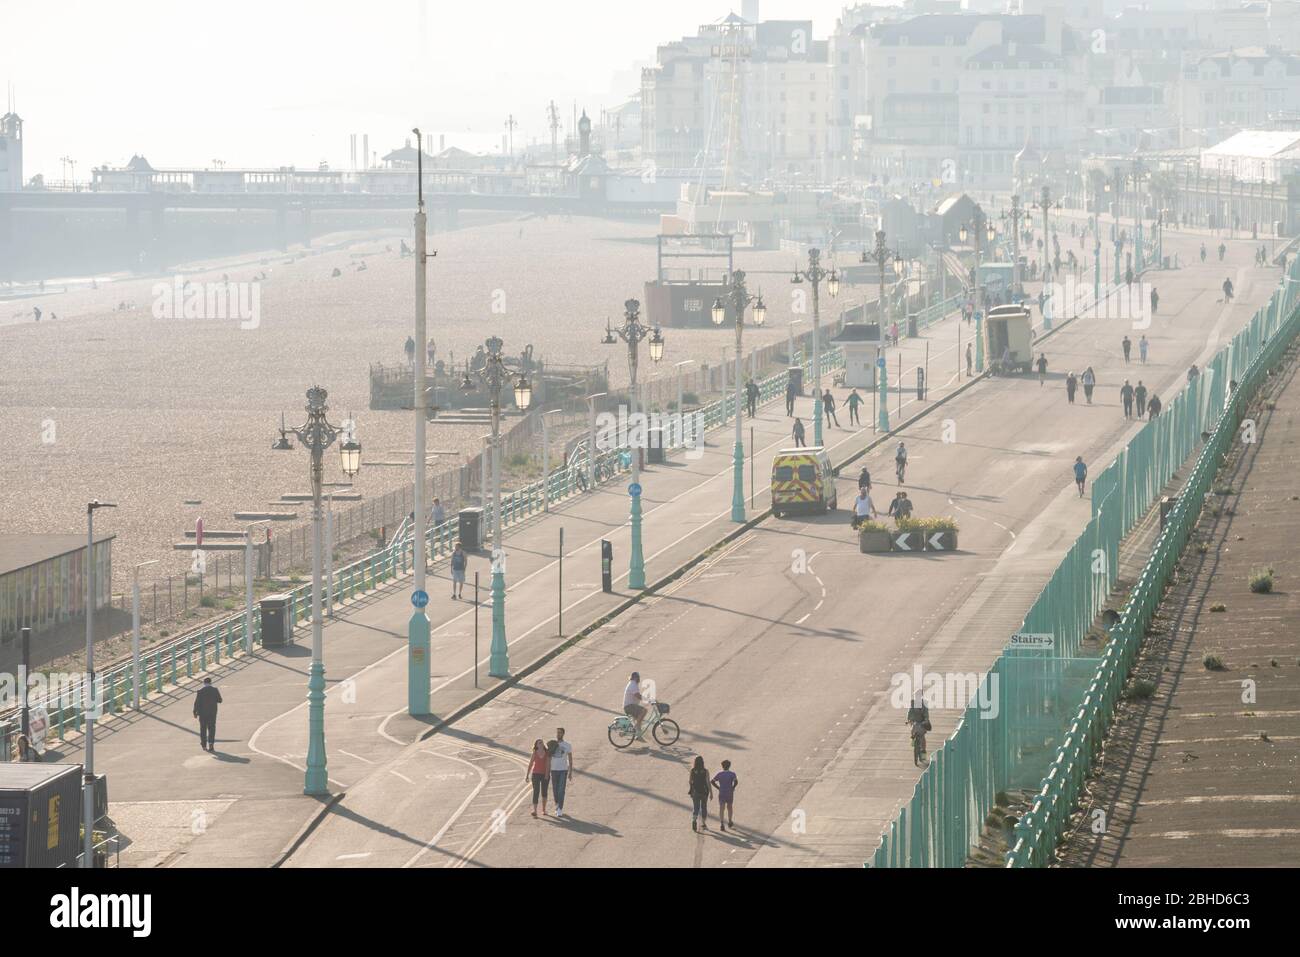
(570, 823)
(742, 839)
(227, 758)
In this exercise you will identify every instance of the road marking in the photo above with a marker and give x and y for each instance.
(357, 756)
(482, 780)
(352, 857)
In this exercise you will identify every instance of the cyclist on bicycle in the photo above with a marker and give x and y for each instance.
(632, 706)
(864, 480)
(900, 461)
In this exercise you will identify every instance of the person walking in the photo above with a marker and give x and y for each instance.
(1128, 276)
(970, 359)
(1126, 399)
(1227, 290)
(1042, 368)
(1089, 380)
(700, 791)
(900, 508)
(1080, 474)
(1222, 249)
(439, 514)
(726, 782)
(459, 562)
(539, 772)
(1127, 346)
(893, 332)
(1202, 252)
(1142, 350)
(789, 397)
(751, 398)
(854, 402)
(1071, 386)
(410, 351)
(799, 434)
(863, 508)
(430, 350)
(828, 406)
(1155, 300)
(1153, 407)
(561, 768)
(1140, 396)
(206, 702)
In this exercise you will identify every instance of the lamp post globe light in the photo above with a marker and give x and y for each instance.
(632, 331)
(814, 274)
(739, 298)
(316, 435)
(496, 378)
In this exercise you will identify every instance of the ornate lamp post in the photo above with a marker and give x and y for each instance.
(814, 274)
(1046, 205)
(738, 297)
(977, 228)
(1014, 217)
(633, 331)
(316, 435)
(496, 377)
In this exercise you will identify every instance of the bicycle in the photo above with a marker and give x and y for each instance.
(622, 730)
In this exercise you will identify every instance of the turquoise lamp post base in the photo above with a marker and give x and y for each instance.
(417, 665)
(738, 483)
(636, 570)
(317, 780)
(499, 659)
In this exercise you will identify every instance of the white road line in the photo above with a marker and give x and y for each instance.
(482, 780)
(357, 756)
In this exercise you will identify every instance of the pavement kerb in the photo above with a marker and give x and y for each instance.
(305, 831)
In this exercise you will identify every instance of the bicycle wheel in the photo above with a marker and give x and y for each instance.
(621, 734)
(666, 732)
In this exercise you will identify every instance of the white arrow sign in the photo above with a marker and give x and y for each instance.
(936, 541)
(901, 543)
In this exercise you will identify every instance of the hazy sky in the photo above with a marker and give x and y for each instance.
(284, 82)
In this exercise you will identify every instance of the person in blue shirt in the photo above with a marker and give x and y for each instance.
(459, 561)
(1080, 474)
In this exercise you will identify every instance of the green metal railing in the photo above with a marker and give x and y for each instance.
(1039, 716)
(191, 653)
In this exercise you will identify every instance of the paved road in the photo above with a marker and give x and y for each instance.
(778, 651)
(247, 800)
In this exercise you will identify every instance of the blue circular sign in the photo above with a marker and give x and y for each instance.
(881, 362)
(634, 488)
(419, 598)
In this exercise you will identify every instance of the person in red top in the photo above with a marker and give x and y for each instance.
(539, 771)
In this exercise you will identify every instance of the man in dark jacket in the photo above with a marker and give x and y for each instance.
(205, 709)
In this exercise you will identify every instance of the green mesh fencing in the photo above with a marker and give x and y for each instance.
(1040, 714)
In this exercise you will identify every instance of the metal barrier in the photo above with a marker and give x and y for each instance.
(1053, 707)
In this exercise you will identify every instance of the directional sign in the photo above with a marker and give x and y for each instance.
(634, 488)
(900, 542)
(419, 598)
(936, 542)
(880, 363)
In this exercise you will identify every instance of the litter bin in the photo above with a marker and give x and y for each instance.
(277, 621)
(469, 528)
(606, 566)
(655, 446)
(796, 379)
(911, 325)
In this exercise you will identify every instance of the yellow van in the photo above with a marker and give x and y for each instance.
(803, 480)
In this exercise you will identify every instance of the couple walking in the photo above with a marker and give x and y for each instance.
(551, 766)
(701, 787)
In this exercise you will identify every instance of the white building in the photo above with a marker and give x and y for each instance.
(1239, 89)
(11, 153)
(1255, 156)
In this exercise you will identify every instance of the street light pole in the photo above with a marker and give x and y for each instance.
(740, 298)
(633, 331)
(815, 274)
(317, 434)
(417, 628)
(88, 781)
(495, 377)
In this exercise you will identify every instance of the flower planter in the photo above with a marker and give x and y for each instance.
(870, 540)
